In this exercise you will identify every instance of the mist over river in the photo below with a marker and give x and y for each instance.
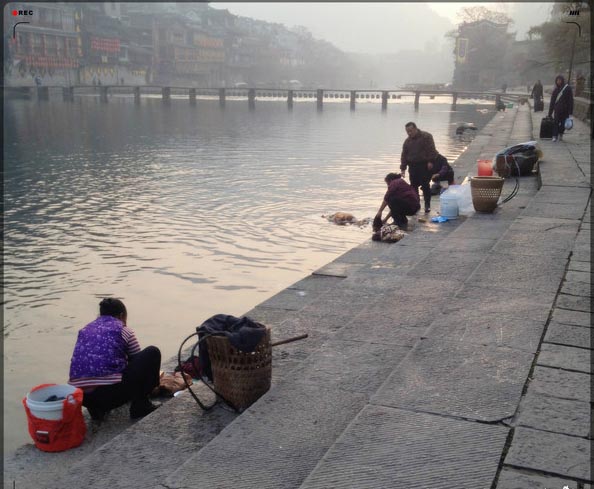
(182, 212)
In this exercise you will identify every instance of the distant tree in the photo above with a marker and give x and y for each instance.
(474, 14)
(558, 35)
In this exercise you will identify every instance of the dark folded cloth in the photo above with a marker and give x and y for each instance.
(243, 333)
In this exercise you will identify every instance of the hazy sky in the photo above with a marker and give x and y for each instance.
(381, 27)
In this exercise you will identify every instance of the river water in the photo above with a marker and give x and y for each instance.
(183, 212)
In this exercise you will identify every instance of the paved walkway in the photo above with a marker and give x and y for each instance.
(456, 358)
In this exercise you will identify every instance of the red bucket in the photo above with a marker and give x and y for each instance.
(485, 168)
(57, 435)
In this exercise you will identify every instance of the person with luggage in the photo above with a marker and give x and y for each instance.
(537, 96)
(562, 107)
(401, 199)
(418, 154)
(109, 366)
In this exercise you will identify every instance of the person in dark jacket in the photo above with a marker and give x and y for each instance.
(441, 171)
(401, 199)
(418, 154)
(562, 105)
(537, 92)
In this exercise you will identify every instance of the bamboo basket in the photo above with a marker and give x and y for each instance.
(485, 192)
(240, 378)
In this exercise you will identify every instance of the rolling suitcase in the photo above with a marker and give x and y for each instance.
(546, 128)
(538, 105)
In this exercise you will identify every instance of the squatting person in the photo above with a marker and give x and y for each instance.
(109, 366)
(401, 199)
(418, 154)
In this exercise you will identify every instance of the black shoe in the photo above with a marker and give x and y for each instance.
(141, 409)
(427, 210)
(97, 414)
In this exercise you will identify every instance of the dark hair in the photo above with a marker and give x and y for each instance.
(112, 307)
(392, 176)
(410, 124)
(560, 77)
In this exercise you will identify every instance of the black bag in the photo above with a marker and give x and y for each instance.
(538, 105)
(546, 128)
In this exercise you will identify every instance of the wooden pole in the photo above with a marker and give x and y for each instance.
(252, 98)
(136, 91)
(166, 94)
(417, 97)
(320, 98)
(454, 99)
(103, 91)
(384, 100)
(223, 96)
(290, 99)
(192, 95)
(68, 94)
(353, 99)
(42, 93)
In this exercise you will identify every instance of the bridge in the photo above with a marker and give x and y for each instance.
(252, 94)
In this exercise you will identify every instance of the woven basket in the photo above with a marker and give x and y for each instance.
(239, 377)
(485, 192)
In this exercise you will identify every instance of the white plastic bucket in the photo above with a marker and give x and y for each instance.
(448, 205)
(52, 409)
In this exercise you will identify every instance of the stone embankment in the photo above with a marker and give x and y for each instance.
(458, 357)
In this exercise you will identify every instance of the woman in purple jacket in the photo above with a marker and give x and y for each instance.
(562, 105)
(402, 200)
(109, 366)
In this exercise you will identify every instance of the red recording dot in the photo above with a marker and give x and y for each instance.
(15, 13)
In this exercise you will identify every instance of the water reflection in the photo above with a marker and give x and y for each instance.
(182, 211)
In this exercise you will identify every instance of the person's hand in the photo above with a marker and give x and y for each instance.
(429, 166)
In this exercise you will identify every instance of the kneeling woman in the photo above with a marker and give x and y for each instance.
(402, 200)
(109, 366)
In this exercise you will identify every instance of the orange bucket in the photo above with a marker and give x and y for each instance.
(484, 168)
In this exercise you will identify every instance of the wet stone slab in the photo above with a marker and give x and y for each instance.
(317, 283)
(276, 443)
(557, 454)
(272, 317)
(458, 379)
(581, 277)
(399, 449)
(338, 269)
(504, 305)
(128, 461)
(448, 265)
(474, 327)
(468, 244)
(575, 318)
(290, 299)
(574, 303)
(579, 289)
(558, 415)
(535, 273)
(349, 365)
(515, 479)
(555, 210)
(389, 325)
(565, 357)
(565, 334)
(561, 383)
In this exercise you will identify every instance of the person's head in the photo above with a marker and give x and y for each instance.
(559, 81)
(391, 177)
(113, 307)
(411, 129)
